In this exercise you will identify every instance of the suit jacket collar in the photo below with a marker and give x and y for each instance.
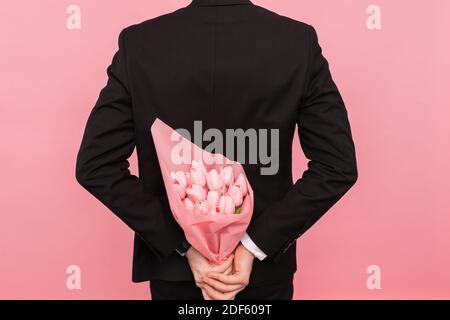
(218, 2)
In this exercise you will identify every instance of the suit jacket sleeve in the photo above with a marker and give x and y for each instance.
(103, 168)
(326, 140)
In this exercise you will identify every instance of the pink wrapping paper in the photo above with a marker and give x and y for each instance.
(215, 237)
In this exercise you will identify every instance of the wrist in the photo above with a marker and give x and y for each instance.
(183, 249)
(248, 243)
(247, 252)
(190, 252)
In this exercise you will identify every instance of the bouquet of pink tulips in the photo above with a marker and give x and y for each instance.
(210, 192)
(209, 195)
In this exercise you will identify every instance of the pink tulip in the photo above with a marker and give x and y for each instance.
(188, 204)
(181, 191)
(180, 178)
(197, 177)
(174, 177)
(196, 193)
(213, 202)
(213, 199)
(199, 166)
(236, 194)
(201, 208)
(226, 205)
(227, 175)
(214, 211)
(214, 181)
(188, 178)
(242, 183)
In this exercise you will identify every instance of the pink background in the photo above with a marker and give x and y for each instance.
(394, 82)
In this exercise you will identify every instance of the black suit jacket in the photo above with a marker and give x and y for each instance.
(231, 64)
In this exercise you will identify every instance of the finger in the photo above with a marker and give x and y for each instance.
(219, 286)
(224, 265)
(229, 270)
(233, 294)
(198, 279)
(227, 279)
(216, 295)
(205, 295)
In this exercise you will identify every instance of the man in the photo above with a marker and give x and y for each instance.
(230, 64)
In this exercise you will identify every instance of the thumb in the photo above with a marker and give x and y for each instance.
(224, 266)
(237, 265)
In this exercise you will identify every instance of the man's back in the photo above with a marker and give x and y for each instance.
(231, 65)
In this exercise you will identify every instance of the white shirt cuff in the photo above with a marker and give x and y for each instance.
(252, 247)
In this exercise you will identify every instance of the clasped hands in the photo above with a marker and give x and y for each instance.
(224, 281)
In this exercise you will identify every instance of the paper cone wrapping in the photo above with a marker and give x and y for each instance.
(214, 236)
